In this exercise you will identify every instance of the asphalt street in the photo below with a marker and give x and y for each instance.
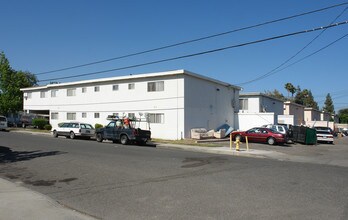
(111, 181)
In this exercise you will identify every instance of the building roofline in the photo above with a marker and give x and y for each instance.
(312, 109)
(131, 76)
(293, 103)
(258, 94)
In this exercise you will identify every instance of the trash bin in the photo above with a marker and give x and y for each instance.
(304, 135)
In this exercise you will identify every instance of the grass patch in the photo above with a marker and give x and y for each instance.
(30, 130)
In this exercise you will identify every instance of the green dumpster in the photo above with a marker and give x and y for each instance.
(304, 135)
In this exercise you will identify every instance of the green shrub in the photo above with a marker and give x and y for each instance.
(98, 126)
(48, 127)
(39, 123)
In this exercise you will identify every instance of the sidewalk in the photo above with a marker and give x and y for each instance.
(334, 155)
(19, 203)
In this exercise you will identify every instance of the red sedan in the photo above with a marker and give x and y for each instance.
(262, 135)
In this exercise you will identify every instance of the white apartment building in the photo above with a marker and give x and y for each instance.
(174, 101)
(257, 109)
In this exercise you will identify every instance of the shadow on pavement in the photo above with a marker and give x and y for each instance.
(9, 156)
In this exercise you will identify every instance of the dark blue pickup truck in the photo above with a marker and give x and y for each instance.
(116, 133)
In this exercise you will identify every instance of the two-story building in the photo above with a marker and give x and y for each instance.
(172, 102)
(257, 109)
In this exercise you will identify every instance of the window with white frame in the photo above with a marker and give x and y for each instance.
(54, 92)
(96, 88)
(84, 115)
(42, 94)
(131, 86)
(156, 118)
(84, 90)
(131, 115)
(71, 116)
(96, 115)
(155, 86)
(114, 87)
(243, 104)
(71, 92)
(54, 115)
(29, 95)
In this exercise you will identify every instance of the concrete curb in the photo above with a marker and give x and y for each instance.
(221, 150)
(18, 202)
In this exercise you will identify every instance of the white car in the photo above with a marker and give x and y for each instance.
(74, 129)
(325, 136)
(3, 123)
(280, 128)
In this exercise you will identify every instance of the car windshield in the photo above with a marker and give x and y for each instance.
(2, 119)
(88, 126)
(273, 130)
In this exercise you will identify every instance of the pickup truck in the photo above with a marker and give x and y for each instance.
(125, 135)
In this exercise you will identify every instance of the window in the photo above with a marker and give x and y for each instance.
(131, 115)
(29, 95)
(84, 115)
(54, 92)
(155, 86)
(71, 116)
(42, 94)
(111, 124)
(156, 118)
(96, 115)
(243, 104)
(71, 92)
(131, 86)
(114, 87)
(96, 89)
(84, 90)
(54, 115)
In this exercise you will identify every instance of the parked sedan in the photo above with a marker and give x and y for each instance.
(261, 135)
(325, 136)
(74, 129)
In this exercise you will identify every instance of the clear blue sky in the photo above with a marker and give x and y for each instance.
(39, 36)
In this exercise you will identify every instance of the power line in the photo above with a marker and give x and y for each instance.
(194, 40)
(202, 53)
(273, 71)
(315, 52)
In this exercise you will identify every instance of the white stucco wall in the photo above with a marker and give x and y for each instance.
(169, 102)
(208, 105)
(250, 120)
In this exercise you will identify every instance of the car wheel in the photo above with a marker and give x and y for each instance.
(55, 134)
(99, 137)
(124, 139)
(270, 141)
(72, 135)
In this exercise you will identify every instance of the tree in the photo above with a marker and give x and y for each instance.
(291, 89)
(329, 107)
(11, 81)
(343, 115)
(305, 97)
(276, 94)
